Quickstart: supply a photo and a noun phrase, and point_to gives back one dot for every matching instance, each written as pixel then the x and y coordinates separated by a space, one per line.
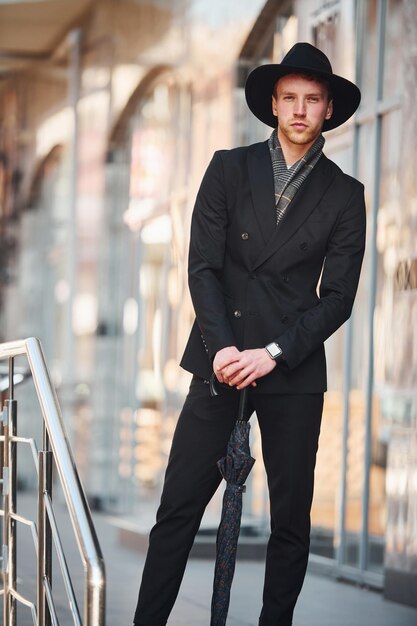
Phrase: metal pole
pixel 347 378
pixel 12 410
pixel 44 538
pixel 11 378
pixel 47 484
pixel 364 536
pixel 74 39
pixel 2 433
pixel 349 332
pixel 6 600
pixel 41 596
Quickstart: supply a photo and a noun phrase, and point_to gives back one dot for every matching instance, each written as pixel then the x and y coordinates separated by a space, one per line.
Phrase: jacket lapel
pixel 300 208
pixel 261 180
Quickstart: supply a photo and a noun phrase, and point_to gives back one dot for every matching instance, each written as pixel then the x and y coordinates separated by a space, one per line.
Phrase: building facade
pixel 102 148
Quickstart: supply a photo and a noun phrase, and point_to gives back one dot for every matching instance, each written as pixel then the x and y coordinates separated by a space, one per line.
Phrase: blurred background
pixel 110 111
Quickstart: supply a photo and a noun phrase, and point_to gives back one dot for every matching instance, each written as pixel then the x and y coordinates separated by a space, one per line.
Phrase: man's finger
pixel 249 380
pixel 232 370
pixel 223 363
pixel 242 375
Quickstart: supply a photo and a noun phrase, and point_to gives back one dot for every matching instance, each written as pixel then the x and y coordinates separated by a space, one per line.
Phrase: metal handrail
pixel 54 433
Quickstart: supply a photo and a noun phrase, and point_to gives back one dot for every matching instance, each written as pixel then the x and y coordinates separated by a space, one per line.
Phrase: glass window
pixel 386 360
pixel 395 316
pixel 359 371
pixel 370 54
pixel 325 36
pixel 393 78
pixel 267 50
pixel 389 230
pixel 328 466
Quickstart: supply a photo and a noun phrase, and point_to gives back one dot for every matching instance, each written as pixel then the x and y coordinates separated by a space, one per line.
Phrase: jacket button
pixel 253 276
pixel 237 313
pixel 304 245
pixel 245 236
pixel 284 319
pixel 285 279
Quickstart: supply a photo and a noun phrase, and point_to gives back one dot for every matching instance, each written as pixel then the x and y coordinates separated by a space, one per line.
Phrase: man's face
pixel 301 106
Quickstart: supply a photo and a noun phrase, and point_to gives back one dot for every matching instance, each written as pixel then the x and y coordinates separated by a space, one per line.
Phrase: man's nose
pixel 299 107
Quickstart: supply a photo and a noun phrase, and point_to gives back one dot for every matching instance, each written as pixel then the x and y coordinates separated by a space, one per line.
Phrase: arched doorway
pixel 142 292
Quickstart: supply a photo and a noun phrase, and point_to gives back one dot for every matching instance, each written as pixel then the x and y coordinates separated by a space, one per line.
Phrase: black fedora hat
pixel 303 58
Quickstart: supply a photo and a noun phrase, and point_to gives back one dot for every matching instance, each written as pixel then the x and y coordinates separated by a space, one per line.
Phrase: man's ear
pixel 274 106
pixel 329 111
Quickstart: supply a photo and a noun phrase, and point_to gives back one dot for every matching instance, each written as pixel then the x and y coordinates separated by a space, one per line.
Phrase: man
pixel 271 222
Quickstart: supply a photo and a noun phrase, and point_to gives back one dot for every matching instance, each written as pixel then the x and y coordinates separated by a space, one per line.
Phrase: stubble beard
pixel 301 138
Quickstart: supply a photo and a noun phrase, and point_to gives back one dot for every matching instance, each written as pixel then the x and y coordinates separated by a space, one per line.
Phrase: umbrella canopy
pixel 234 467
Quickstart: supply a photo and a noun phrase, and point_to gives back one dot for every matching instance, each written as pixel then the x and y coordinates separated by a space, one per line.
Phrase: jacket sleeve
pixel 206 257
pixel 338 285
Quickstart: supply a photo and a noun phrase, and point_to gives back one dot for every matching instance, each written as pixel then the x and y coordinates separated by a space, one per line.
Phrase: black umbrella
pixel 234 467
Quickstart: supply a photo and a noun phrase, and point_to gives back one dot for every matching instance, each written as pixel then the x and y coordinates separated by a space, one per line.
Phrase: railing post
pixel 44 537
pixel 9 502
pixel 12 417
pixel 2 433
pixel 5 494
pixel 41 596
pixel 47 481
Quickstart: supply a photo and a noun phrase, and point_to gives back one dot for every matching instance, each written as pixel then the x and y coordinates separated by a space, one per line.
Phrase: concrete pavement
pixel 323 602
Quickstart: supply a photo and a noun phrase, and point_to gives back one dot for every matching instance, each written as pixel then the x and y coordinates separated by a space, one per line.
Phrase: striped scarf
pixel 289 180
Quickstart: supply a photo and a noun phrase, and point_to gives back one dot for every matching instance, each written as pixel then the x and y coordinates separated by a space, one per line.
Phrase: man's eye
pixel 313 99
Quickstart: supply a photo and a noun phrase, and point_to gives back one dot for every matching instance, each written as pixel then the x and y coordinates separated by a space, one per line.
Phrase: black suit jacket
pixel 252 282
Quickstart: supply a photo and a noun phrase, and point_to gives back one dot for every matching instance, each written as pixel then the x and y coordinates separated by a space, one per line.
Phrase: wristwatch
pixel 273 350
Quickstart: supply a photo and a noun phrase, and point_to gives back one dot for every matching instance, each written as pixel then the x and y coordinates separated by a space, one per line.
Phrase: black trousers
pixel 290 426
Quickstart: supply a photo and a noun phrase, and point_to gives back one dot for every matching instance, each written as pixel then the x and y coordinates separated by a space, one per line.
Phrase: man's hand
pixel 224 358
pixel 246 367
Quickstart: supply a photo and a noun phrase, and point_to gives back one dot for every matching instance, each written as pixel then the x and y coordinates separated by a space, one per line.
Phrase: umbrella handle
pixel 243 398
pixel 243 401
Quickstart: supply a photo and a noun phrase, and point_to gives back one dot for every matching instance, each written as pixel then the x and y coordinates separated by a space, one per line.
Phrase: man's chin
pixel 301 138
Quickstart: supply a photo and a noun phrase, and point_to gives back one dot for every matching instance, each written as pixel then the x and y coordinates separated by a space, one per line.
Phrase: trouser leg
pixel 290 427
pixel 191 478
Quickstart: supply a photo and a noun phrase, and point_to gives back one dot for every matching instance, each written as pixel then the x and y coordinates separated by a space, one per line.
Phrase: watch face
pixel 274 350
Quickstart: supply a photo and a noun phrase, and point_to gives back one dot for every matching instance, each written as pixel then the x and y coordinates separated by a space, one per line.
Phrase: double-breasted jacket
pixel 252 282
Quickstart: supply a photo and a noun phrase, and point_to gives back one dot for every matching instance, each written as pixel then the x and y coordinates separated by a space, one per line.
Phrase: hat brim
pixel 260 85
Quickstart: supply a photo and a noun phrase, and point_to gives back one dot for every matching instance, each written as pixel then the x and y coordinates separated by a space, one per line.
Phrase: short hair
pixel 309 76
